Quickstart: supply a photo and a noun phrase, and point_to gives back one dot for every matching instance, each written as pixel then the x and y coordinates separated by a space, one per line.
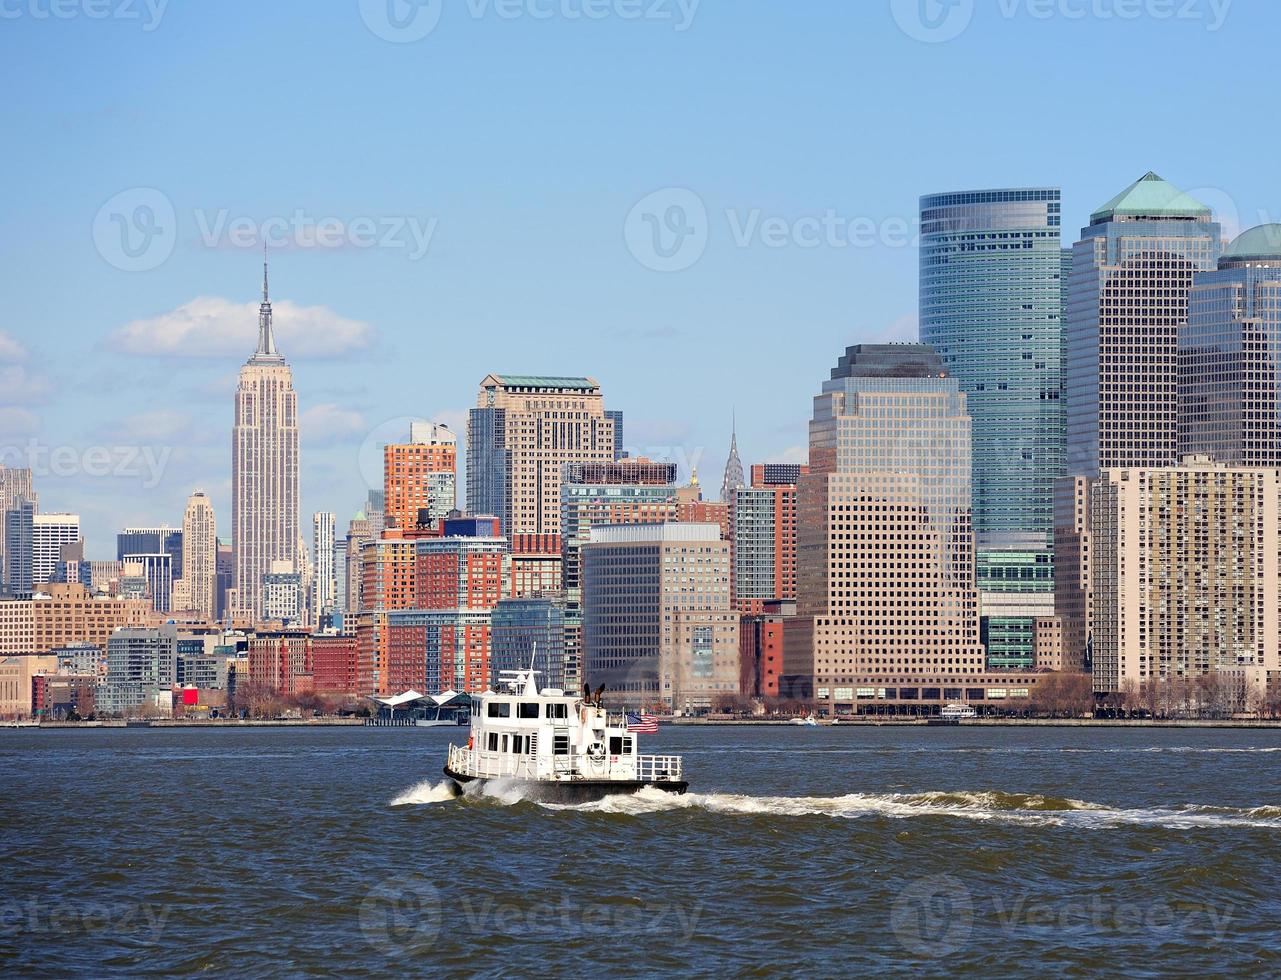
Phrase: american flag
pixel 642 724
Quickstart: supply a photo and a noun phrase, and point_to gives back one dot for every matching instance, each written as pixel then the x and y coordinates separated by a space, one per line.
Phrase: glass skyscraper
pixel 991 292
pixel 1230 355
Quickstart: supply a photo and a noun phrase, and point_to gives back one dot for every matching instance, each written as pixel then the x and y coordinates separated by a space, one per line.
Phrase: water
pixel 269 852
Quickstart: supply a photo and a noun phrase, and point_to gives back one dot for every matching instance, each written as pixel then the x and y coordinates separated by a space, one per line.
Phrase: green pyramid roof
pixel 1262 242
pixel 1152 197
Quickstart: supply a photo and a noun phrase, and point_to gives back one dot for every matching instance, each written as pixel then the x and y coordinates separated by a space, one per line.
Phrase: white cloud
pixel 210 326
pixel 10 349
pixel 161 426
pixel 18 385
pixel 17 423
pixel 329 424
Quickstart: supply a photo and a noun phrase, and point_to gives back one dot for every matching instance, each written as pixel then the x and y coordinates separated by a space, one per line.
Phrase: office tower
pixel 1229 389
pixel 1127 301
pixel 142 665
pixel 733 470
pixel 521 435
pixel 444 642
pixel 1187 574
pixel 15 487
pixel 529 630
pixel 991 305
pixel 360 531
pixel 49 532
pixel 764 529
pixel 657 624
pixel 151 541
pixel 282 595
pixel 198 585
pixel 157 571
pixel 264 466
pixel 226 565
pixel 419 477
pixel 19 545
pixel 616 416
pixel 64 614
pixel 340 575
pixel 886 599
pixel 1073 553
pixel 324 525
pixel 536 563
pixel 629 491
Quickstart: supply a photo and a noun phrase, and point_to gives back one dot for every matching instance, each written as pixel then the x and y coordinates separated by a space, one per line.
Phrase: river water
pixel 267 852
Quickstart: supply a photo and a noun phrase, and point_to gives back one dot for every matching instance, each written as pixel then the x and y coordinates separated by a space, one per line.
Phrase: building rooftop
pixel 540 381
pixel 889 361
pixel 1259 244
pixel 1151 197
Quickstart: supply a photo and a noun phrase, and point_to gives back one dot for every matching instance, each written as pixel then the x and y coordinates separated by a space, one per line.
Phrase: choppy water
pixel 270 852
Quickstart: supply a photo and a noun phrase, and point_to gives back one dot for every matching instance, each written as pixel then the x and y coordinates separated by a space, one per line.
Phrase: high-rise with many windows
pixel 991 305
pixel 1229 355
pixel 264 467
pixel 419 476
pixel 1132 271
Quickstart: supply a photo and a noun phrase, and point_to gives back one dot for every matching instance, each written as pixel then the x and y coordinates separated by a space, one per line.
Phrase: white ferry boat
pixel 955 712
pixel 556 747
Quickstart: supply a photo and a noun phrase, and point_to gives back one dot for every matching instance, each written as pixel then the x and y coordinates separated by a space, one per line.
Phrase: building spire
pixel 266 342
pixel 734 478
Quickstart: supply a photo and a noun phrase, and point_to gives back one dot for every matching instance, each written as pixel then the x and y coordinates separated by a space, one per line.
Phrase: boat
pixel 809 722
pixel 555 747
pixel 955 712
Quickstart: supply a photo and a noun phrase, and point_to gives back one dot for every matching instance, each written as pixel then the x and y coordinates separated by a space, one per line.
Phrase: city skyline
pixel 554 236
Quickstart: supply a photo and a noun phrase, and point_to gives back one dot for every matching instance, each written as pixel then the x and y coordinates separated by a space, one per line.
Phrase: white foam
pixel 427 792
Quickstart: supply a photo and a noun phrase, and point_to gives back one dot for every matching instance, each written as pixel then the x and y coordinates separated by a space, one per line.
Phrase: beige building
pixel 1047 643
pixel 887 603
pixel 1186 573
pixel 264 468
pixel 1073 600
pixel 63 614
pixel 658 627
pixel 15 683
pixel 194 592
pixel 521 436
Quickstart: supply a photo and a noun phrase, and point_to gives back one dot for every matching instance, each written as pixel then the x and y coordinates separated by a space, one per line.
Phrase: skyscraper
pixel 1230 355
pixel 520 437
pixel 198 585
pixel 420 476
pixel 19 522
pixel 15 487
pixel 733 470
pixel 1127 301
pixel 49 532
pixel 324 527
pixel 764 527
pixel 991 305
pixel 886 600
pixel 264 466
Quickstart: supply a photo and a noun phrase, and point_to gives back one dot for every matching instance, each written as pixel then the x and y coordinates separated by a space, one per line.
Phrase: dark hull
pixel 578 791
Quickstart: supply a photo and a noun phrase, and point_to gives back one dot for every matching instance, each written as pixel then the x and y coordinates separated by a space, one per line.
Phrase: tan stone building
pixel 658 627
pixel 15 683
pixel 1186 573
pixel 63 614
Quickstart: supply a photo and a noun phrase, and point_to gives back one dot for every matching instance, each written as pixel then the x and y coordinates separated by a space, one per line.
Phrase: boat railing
pixel 472 763
pixel 658 768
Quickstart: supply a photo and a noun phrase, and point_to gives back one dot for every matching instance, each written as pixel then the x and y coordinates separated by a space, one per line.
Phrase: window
pixel 558 711
pixel 527 709
pixel 560 745
pixel 493 742
pixel 500 709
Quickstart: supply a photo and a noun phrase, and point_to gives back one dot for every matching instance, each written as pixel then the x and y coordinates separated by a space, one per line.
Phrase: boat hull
pixel 572 791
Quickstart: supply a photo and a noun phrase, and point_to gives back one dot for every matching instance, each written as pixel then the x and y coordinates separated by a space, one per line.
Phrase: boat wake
pixel 1006 808
pixel 427 792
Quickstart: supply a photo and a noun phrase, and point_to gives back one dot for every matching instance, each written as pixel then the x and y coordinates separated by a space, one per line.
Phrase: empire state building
pixel 264 467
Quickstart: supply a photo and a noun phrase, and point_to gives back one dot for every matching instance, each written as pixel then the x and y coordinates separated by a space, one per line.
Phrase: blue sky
pixel 511 146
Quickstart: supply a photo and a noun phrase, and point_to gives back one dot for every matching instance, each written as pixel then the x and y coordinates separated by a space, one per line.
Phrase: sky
pixel 699 204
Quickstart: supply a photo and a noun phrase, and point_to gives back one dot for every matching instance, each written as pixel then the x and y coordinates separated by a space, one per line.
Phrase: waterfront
pixel 267 852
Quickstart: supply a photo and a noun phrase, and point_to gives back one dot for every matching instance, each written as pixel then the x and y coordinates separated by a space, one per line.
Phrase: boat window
pixel 627 746
pixel 558 711
pixel 615 745
pixel 493 741
pixel 560 745
pixel 500 709
pixel 527 709
pixel 506 743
